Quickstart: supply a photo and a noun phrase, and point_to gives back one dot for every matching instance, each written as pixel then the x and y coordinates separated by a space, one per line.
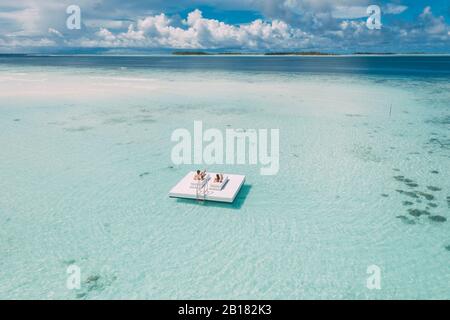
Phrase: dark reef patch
pixel 432 205
pixel 432 188
pixel 443 121
pixel 95 282
pixel 78 129
pixel 406 220
pixel 443 144
pixel 352 115
pixel 418 212
pixel 408 203
pixel 69 262
pixel 427 196
pixel 409 182
pixel 412 184
pixel 408 193
pixel 437 218
pixel 124 143
pixel 144 110
pixel 115 121
pixel 146 121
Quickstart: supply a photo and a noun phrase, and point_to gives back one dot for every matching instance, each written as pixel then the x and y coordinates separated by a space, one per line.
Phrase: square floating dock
pixel 227 194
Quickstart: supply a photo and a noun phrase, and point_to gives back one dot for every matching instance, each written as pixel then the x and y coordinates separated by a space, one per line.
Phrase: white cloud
pixel 106 23
pixel 26 43
pixel 106 34
pixel 55 32
pixel 202 33
pixel 391 8
pixel 353 12
pixel 433 25
pixel 25 21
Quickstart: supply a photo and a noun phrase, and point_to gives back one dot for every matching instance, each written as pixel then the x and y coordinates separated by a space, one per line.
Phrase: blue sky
pixel 227 25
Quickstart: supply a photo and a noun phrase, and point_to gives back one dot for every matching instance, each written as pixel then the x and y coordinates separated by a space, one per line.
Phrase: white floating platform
pixel 227 194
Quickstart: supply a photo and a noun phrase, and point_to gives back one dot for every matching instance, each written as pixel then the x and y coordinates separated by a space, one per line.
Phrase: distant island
pixel 13 54
pixel 190 53
pixel 287 53
pixel 306 53
pixel 374 53
pixel 204 53
pixel 231 53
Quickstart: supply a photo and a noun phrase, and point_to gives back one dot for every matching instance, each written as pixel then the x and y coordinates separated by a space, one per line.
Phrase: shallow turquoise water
pixel 85 171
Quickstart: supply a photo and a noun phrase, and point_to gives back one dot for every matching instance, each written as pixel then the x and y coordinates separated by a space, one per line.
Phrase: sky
pixel 138 26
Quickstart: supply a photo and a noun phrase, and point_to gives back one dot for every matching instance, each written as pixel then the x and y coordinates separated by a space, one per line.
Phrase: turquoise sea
pixel 364 178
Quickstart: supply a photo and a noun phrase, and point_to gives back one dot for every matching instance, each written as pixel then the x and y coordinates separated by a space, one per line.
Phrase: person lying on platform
pixel 200 175
pixel 218 178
